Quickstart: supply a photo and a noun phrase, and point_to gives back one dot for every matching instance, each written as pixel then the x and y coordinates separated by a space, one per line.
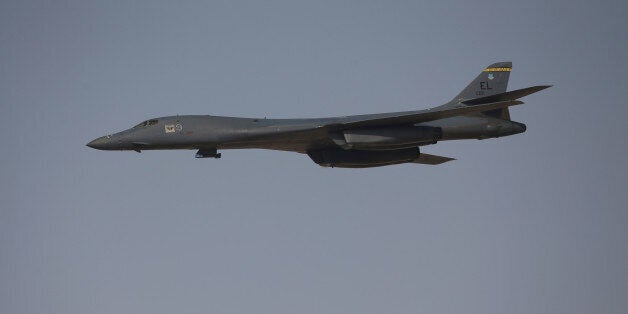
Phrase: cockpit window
pixel 146 123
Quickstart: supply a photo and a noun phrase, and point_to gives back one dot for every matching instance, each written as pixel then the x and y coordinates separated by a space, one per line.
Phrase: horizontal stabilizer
pixel 427 159
pixel 515 94
pixel 426 115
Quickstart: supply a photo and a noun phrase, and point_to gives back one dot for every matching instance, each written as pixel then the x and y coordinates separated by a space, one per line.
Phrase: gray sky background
pixel 533 223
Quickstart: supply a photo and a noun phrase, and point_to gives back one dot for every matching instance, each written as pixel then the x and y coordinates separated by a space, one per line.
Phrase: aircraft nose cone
pixel 98 143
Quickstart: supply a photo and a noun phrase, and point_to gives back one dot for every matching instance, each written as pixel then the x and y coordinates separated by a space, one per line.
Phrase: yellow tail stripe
pixel 497 70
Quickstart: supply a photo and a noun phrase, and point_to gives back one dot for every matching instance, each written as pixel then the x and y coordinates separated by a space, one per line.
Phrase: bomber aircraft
pixel 480 111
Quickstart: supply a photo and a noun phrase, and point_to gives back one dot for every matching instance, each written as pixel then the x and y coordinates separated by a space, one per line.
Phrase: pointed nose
pixel 99 143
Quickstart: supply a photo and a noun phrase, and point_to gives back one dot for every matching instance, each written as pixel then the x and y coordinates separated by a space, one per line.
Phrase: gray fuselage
pixel 298 135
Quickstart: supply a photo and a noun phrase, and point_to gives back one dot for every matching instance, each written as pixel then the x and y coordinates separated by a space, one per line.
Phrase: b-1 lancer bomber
pixel 480 111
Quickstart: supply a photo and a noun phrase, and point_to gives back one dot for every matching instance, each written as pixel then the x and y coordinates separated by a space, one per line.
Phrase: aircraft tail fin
pixel 492 80
pixel 489 87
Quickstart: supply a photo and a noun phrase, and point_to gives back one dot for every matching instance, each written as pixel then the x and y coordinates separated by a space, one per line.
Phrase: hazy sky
pixel 532 223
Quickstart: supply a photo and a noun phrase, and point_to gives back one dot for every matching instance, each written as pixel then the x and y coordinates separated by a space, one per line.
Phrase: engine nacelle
pixel 387 137
pixel 363 158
